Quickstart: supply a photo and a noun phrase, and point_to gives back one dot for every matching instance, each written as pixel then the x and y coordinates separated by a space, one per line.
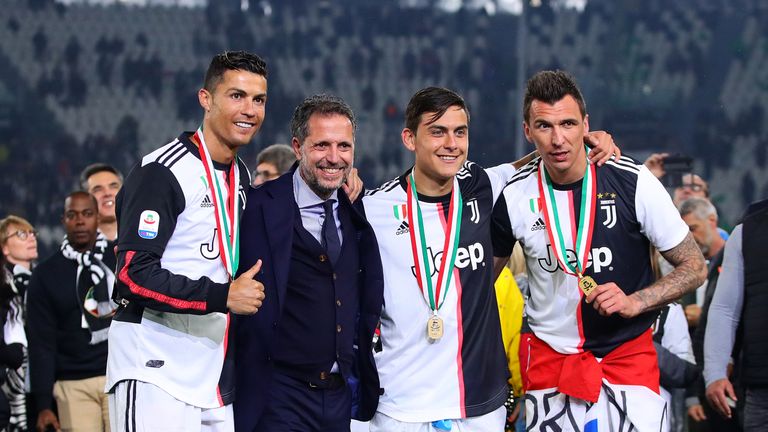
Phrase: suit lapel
pixel 279 216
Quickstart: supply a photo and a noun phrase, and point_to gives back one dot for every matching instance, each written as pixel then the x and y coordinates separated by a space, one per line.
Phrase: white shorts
pixel 491 422
pixel 618 408
pixel 136 406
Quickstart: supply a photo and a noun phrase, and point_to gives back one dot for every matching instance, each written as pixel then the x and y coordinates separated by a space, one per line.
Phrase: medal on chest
pixel 581 236
pixel 434 293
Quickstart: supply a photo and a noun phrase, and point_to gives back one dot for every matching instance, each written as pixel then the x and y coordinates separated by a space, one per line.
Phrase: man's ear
pixel 712 219
pixel 527 132
pixel 204 97
pixel 409 139
pixel 586 124
pixel 296 146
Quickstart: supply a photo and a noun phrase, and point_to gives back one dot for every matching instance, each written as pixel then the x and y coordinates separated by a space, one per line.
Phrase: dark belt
pixel 320 380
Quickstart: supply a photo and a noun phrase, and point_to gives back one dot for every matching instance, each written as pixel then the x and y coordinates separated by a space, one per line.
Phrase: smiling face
pixel 327 154
pixel 234 111
pixel 104 186
pixel 440 147
pixel 558 132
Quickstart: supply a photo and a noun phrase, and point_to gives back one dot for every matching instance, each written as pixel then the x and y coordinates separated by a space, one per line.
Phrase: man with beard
pixel 103 182
pixel 69 311
pixel 299 359
pixel 701 217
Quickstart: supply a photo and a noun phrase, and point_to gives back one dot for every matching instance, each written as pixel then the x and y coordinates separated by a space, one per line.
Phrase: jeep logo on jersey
pixel 599 258
pixel 149 223
pixel 210 250
pixel 472 255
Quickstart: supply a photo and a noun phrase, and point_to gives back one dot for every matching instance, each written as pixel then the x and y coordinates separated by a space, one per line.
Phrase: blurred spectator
pixel 70 309
pixel 12 348
pixel 700 215
pixel 741 299
pixel 272 162
pixel 103 181
pixel 693 186
pixel 19 242
pixel 40 44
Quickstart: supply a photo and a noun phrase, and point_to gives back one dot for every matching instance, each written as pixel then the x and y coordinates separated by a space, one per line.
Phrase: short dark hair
pixel 432 100
pixel 549 87
pixel 95 168
pixel 279 155
pixel 323 104
pixel 232 60
pixel 81 193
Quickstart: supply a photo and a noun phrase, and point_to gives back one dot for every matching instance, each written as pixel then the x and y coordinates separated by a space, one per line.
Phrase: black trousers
pixel 295 406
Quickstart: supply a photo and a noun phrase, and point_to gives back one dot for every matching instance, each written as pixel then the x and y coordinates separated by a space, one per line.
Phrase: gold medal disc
pixel 587 284
pixel 434 328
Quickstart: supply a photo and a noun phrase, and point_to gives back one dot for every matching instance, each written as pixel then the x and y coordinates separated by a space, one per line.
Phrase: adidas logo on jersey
pixel 206 202
pixel 539 225
pixel 403 228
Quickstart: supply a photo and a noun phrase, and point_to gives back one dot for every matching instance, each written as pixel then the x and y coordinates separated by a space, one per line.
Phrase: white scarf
pixel 94 284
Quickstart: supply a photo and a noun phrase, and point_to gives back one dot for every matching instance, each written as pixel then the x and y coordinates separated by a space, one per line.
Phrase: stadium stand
pixel 85 81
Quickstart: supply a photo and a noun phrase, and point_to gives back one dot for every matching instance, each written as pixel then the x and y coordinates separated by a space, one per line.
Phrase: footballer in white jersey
pixel 586 233
pixel 464 373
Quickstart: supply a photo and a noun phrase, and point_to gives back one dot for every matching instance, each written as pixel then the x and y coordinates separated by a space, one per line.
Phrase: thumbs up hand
pixel 246 293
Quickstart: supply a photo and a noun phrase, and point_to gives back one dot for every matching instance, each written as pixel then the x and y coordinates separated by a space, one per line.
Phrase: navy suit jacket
pixel 266 233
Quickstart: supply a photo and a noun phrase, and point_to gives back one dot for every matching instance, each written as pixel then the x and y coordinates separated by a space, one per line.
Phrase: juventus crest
pixel 607 203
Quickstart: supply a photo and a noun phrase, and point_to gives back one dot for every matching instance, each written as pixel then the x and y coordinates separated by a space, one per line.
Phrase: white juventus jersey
pixel 463 374
pixel 633 211
pixel 166 208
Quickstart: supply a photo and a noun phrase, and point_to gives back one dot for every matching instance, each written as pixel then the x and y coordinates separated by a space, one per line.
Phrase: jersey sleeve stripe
pixel 633 168
pixel 628 163
pixel 172 150
pixel 386 187
pixel 523 173
pixel 145 292
pixel 465 171
pixel 177 158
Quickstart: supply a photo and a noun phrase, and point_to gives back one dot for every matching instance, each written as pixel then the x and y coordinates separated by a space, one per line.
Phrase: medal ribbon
pixel 586 222
pixel 227 214
pixel 435 295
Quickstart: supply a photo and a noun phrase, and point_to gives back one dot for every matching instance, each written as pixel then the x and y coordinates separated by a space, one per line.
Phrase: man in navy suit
pixel 304 362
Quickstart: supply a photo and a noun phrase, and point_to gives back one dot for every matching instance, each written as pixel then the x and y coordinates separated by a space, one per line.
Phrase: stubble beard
pixel 323 191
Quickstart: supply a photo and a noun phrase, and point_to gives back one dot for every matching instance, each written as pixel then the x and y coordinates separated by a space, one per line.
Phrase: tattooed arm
pixel 689 273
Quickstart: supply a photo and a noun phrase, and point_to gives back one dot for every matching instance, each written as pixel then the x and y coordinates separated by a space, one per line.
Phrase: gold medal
pixel 587 284
pixel 434 328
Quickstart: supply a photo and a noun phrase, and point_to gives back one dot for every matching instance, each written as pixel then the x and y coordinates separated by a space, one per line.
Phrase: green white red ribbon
pixel 434 294
pixel 227 213
pixel 583 241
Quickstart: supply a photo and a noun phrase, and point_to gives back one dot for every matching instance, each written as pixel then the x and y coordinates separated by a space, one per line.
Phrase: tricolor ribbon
pixel 227 213
pixel 583 240
pixel 434 294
